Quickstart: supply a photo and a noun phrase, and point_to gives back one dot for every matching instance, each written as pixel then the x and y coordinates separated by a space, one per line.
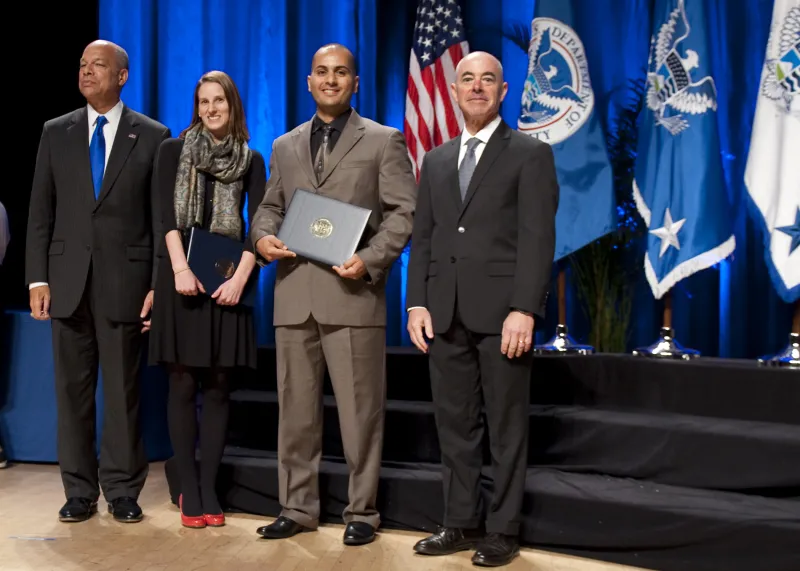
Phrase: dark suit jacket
pixel 69 231
pixel 369 167
pixel 494 252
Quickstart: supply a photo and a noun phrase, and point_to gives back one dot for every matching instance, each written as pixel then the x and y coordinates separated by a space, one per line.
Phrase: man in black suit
pixel 92 229
pixel 481 254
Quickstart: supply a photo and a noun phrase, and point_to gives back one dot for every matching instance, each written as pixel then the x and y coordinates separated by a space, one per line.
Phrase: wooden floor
pixel 31 538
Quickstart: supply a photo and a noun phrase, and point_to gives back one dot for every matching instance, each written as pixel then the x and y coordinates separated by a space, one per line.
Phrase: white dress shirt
pixel 109 129
pixel 483 135
pixel 109 132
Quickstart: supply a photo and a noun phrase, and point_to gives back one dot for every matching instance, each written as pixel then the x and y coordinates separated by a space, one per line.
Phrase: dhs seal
pixel 673 91
pixel 557 98
pixel 321 228
pixel 781 75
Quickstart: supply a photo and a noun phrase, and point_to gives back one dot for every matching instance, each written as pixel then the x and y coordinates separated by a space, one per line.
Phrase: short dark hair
pixel 121 56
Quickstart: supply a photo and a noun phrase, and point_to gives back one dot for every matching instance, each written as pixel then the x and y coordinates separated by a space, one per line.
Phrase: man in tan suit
pixel 334 316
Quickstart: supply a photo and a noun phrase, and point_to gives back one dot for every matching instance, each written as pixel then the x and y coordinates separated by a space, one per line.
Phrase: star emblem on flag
pixel 793 232
pixel 669 233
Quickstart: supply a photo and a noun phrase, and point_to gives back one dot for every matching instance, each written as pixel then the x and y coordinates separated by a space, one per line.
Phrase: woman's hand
pixel 186 283
pixel 230 292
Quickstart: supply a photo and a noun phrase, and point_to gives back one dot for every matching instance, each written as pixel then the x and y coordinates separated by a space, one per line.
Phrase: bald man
pixel 478 275
pixel 334 317
pixel 90 269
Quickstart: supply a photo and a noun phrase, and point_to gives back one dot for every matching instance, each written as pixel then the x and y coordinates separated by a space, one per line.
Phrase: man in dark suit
pixel 334 317
pixel 481 254
pixel 90 267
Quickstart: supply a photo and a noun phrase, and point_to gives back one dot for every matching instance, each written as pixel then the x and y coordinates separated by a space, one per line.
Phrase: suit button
pixel 461 230
pixel 88 248
pixel 452 259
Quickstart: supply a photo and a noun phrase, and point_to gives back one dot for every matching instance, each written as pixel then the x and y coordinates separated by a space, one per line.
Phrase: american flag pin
pixel 132 135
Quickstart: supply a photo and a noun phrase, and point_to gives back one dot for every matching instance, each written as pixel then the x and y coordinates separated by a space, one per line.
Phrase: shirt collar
pixel 114 114
pixel 484 134
pixel 338 124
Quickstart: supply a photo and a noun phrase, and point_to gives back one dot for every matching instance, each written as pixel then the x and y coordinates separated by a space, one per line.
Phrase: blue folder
pixel 213 258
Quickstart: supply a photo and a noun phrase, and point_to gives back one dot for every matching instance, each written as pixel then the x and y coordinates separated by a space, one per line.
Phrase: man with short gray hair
pixel 479 271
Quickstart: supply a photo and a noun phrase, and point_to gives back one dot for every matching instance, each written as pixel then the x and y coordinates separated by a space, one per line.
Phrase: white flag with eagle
pixel 772 175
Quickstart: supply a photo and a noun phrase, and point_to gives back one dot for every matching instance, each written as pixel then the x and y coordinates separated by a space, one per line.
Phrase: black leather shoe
pixel 77 509
pixel 446 541
pixel 359 533
pixel 125 510
pixel 495 550
pixel 281 528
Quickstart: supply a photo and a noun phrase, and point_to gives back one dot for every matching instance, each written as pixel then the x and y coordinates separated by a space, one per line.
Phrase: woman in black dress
pixel 203 178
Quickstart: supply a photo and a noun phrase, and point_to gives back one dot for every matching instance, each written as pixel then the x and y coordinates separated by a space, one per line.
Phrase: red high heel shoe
pixel 196 522
pixel 215 520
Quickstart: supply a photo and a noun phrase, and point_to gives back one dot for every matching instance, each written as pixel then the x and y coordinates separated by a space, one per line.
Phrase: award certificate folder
pixel 213 258
pixel 321 228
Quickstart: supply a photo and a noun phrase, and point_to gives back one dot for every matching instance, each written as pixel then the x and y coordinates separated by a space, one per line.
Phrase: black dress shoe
pixel 125 510
pixel 281 528
pixel 446 541
pixel 359 533
pixel 77 509
pixel 495 550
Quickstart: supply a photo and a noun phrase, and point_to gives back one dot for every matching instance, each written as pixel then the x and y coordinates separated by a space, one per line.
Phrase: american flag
pixel 432 117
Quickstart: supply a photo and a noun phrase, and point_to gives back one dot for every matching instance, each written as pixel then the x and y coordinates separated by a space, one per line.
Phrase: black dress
pixel 195 331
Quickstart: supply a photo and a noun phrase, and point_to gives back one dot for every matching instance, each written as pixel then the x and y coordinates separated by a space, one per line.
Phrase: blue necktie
pixel 97 155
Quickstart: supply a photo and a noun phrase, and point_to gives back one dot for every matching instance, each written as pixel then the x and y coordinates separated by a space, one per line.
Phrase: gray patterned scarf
pixel 227 162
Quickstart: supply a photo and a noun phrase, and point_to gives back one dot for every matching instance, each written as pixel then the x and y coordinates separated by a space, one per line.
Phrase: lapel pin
pixel 132 135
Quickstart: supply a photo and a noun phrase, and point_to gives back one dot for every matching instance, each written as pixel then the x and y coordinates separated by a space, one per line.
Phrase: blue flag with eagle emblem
pixel 558 108
pixel 679 184
pixel 772 176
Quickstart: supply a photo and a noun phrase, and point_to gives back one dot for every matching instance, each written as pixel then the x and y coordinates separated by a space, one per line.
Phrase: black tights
pixel 199 494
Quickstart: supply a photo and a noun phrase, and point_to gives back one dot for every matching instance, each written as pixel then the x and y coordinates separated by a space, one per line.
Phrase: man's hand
pixel 146 308
pixel 230 292
pixel 517 334
pixel 353 268
pixel 419 320
pixel 40 303
pixel 273 249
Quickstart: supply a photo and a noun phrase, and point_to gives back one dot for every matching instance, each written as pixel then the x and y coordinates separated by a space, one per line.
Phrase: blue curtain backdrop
pixel 266 46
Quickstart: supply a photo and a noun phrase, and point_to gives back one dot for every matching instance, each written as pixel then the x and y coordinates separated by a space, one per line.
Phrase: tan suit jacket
pixel 369 167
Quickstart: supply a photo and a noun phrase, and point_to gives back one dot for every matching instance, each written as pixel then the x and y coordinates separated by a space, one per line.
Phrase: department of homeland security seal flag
pixel 679 186
pixel 772 175
pixel 558 108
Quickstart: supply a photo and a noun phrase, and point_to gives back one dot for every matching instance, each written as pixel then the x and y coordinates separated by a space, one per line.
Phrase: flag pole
pixel 790 355
pixel 666 347
pixel 562 343
pixel 667 321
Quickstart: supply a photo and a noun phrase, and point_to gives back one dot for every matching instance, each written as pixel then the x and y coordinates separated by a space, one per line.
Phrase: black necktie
pixel 323 152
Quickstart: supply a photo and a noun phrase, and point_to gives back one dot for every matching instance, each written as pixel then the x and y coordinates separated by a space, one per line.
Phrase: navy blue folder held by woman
pixel 213 258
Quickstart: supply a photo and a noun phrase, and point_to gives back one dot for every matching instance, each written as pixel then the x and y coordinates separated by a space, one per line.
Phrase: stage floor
pixel 32 494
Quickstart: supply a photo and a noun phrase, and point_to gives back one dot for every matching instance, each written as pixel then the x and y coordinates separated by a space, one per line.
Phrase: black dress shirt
pixel 338 125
